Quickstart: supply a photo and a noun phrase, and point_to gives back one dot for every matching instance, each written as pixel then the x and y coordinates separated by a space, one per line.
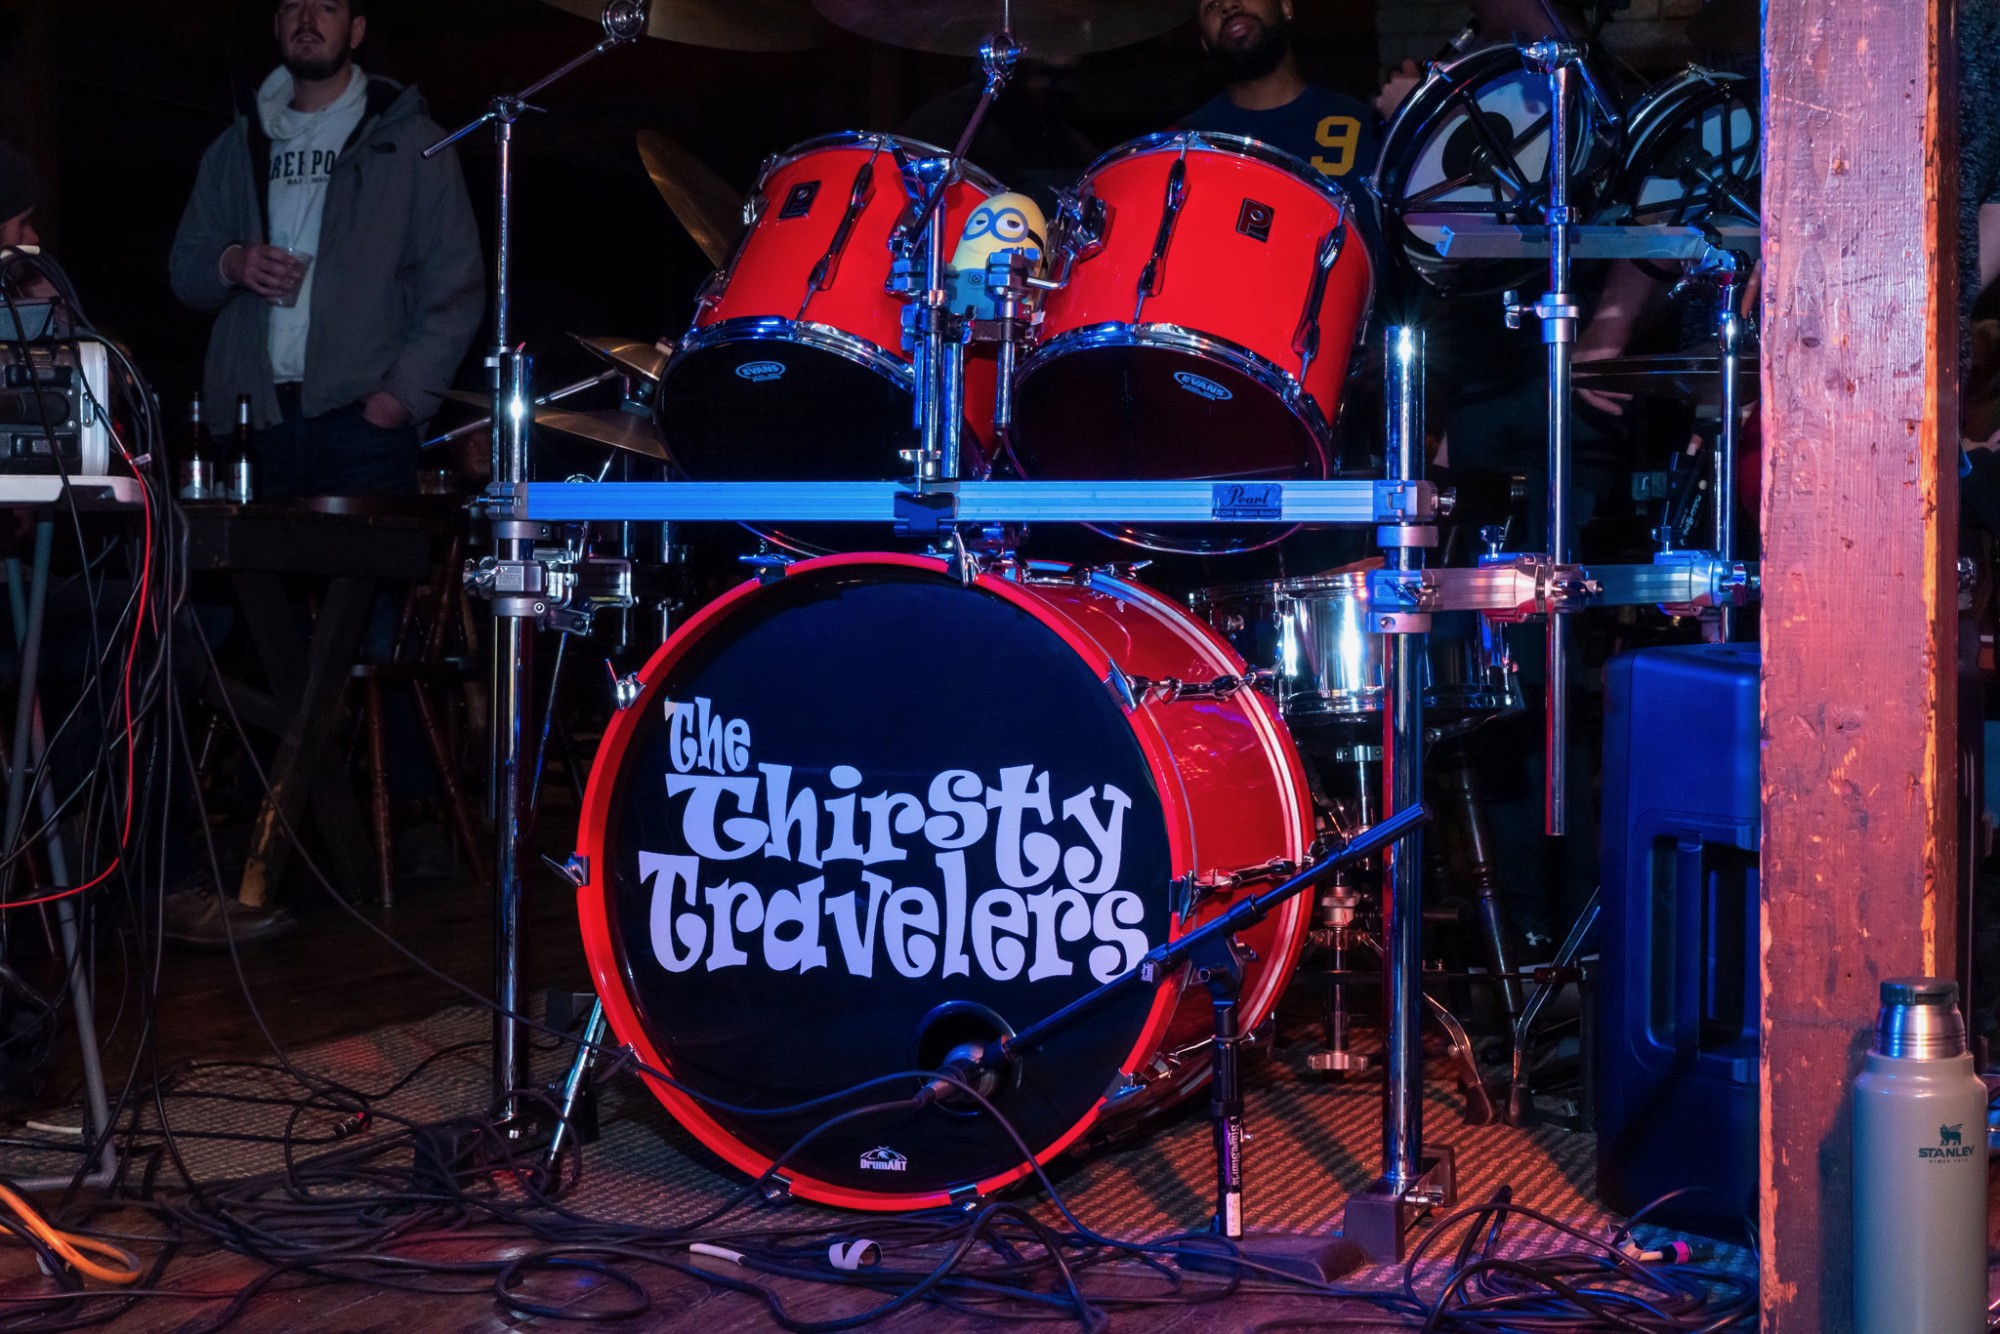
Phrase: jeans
pixel 337 454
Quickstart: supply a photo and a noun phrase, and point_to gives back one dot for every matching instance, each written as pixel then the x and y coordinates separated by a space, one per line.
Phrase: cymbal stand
pixel 934 335
pixel 1411 1182
pixel 1723 270
pixel 1557 311
pixel 517 579
pixel 1216 961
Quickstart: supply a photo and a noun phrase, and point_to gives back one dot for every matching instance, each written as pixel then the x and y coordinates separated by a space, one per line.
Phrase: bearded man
pixel 343 268
pixel 1264 97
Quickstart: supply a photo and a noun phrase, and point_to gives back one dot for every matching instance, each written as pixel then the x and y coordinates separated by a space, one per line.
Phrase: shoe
pixel 195 919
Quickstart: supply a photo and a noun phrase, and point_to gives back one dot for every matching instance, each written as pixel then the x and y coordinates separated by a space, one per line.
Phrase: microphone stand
pixel 510 376
pixel 1217 963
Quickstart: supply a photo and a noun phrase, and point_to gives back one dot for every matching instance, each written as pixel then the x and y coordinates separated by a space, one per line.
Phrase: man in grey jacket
pixel 343 269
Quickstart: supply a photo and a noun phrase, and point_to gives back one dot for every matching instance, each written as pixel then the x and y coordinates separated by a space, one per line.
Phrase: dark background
pixel 116 100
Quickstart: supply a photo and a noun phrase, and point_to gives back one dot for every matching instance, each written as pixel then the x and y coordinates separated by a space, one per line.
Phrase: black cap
pixel 20 187
pixel 1920 991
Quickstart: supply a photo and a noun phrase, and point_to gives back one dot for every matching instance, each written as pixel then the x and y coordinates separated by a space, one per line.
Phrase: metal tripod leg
pixel 1520 1096
pixel 593 1033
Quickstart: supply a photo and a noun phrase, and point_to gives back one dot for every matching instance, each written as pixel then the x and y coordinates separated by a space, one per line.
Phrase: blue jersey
pixel 1335 135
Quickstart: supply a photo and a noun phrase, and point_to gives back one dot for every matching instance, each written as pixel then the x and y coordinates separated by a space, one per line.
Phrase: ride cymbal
pixel 629 431
pixel 727 25
pixel 646 361
pixel 702 200
pixel 1047 28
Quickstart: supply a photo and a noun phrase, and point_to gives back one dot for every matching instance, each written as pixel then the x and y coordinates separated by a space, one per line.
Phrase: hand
pixel 263 269
pixel 1610 402
pixel 385 411
pixel 1397 87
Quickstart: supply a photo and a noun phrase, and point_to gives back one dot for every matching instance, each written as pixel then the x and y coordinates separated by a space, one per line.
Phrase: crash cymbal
pixel 1689 377
pixel 630 431
pixel 644 360
pixel 729 25
pixel 703 201
pixel 1047 28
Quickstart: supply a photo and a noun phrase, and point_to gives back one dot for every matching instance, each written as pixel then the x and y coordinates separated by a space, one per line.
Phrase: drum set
pixel 924 804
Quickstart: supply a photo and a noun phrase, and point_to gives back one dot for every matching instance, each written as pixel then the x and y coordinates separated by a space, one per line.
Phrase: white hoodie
pixel 304 146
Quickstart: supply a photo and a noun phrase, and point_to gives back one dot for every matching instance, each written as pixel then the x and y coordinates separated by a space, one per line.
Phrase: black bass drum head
pixel 858 816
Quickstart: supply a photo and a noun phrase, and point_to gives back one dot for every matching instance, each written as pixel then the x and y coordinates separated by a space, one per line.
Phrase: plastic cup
pixel 302 265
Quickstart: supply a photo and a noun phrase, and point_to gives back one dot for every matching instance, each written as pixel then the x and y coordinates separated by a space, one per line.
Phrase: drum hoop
pixel 1229 145
pixel 595 926
pixel 1279 381
pixel 902 146
pixel 803 333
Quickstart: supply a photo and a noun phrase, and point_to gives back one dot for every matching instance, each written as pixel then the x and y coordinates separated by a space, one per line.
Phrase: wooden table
pixel 257 546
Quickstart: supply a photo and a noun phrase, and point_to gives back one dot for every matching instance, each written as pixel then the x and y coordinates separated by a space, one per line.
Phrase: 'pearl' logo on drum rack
pixel 1057 860
pixel 1202 387
pixel 761 372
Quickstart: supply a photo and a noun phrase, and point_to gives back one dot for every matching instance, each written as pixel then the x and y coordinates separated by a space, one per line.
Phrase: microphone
pixel 625 20
pixel 981 1066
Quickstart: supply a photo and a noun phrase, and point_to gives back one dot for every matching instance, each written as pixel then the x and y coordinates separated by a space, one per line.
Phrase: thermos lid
pixel 1920 991
pixel 1919 1019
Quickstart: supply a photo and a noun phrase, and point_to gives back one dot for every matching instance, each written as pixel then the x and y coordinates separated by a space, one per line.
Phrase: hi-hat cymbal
pixel 646 361
pixel 729 25
pixel 1047 28
pixel 703 201
pixel 1691 377
pixel 629 431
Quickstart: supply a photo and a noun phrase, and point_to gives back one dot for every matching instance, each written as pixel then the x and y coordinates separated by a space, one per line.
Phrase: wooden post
pixel 1860 529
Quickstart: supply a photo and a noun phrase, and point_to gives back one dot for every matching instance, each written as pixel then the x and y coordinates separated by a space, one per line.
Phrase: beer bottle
pixel 240 486
pixel 197 471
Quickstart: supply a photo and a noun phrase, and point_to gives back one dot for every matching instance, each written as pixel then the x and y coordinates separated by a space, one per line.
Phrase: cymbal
pixel 728 25
pixel 629 431
pixel 702 200
pixel 646 361
pixel 467 398
pixel 1047 28
pixel 615 427
pixel 1691 377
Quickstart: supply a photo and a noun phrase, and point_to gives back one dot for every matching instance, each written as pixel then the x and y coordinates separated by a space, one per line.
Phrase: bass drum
pixel 863 813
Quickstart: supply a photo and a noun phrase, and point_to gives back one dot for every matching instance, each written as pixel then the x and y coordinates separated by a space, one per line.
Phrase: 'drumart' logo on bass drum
pixel 859 877
pixel 1951 1144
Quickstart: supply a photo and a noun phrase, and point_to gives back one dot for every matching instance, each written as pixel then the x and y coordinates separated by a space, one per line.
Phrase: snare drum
pixel 863 813
pixel 1312 634
pixel 795 366
pixel 1216 291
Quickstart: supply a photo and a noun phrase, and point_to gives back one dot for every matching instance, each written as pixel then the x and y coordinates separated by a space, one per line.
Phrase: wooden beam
pixel 1860 532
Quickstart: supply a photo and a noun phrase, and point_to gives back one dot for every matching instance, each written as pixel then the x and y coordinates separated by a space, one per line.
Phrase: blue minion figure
pixel 1003 223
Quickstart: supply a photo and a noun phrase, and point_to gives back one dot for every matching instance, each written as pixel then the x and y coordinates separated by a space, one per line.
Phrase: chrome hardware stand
pixel 1724 272
pixel 624 21
pixel 1557 312
pixel 936 337
pixel 579 1068
pixel 1411 1182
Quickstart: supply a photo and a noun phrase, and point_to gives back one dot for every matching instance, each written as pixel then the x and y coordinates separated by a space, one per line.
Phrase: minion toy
pixel 1003 223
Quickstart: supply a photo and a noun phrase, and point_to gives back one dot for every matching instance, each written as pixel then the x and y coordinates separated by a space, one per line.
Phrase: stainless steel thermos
pixel 1919 1169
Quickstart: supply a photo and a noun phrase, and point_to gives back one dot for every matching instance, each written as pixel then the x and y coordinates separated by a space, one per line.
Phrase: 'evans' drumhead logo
pixel 1202 387
pixel 759 372
pixel 1057 858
